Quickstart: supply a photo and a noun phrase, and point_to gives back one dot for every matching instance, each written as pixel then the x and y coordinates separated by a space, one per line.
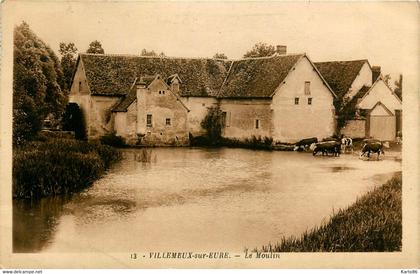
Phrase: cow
pixel 372 146
pixel 332 147
pixel 346 144
pixel 303 145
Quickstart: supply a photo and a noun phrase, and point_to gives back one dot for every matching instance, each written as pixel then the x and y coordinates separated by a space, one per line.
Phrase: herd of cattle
pixel 334 147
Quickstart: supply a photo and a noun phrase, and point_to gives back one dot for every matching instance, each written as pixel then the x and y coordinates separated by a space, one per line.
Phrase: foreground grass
pixel 58 166
pixel 373 223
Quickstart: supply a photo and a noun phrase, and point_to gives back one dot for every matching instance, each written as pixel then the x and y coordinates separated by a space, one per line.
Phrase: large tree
pixel 37 80
pixel 260 50
pixel 95 47
pixel 68 54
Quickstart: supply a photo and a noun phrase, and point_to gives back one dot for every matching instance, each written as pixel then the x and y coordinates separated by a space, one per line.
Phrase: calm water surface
pixel 198 200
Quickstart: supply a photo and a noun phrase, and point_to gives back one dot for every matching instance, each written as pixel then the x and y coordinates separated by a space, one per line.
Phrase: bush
pixel 73 120
pixel 57 167
pixel 27 120
pixel 111 139
pixel 213 124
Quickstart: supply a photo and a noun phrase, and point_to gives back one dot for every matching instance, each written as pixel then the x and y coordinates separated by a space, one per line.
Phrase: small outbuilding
pixel 383 111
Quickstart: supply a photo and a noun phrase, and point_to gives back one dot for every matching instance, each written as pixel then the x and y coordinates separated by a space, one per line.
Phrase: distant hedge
pixel 57 167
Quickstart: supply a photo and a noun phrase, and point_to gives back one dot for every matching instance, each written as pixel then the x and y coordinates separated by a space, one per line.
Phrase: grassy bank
pixel 58 166
pixel 373 223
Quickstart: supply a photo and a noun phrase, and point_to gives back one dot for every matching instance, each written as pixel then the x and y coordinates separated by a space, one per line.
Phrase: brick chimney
pixel 281 49
pixel 140 84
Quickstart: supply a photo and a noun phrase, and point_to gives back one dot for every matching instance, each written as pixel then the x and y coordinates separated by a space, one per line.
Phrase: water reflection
pixel 34 222
pixel 197 200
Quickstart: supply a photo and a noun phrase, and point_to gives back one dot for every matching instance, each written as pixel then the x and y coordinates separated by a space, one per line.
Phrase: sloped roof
pixel 147 79
pixel 380 104
pixel 257 77
pixel 361 93
pixel 340 74
pixel 109 74
pixel 172 77
pixel 380 79
pixel 123 105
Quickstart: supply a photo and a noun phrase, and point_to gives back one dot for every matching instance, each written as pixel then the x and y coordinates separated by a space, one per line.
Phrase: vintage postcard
pixel 218 134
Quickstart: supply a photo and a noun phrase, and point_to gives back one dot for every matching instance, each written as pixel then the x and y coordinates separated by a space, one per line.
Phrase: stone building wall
pixel 312 115
pixel 246 118
pixel 168 116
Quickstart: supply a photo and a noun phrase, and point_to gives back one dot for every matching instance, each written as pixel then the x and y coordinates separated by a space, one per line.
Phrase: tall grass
pixel 254 142
pixel 373 223
pixel 258 143
pixel 58 166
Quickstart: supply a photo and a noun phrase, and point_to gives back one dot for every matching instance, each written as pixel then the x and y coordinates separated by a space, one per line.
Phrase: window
pixel 80 86
pixel 224 118
pixel 307 88
pixel 149 120
pixel 309 101
pixel 257 123
pixel 297 101
pixel 175 87
pixel 163 92
pixel 168 121
pixel 228 114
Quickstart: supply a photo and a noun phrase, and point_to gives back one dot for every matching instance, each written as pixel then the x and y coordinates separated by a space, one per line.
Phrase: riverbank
pixel 373 223
pixel 56 166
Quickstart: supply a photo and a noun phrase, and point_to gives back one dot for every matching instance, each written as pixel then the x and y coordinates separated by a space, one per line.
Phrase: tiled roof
pixel 257 77
pixel 109 74
pixel 340 74
pixel 147 79
pixel 125 102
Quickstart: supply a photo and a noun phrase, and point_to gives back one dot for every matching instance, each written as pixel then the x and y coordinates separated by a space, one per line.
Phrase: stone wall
pixel 312 116
pixel 96 109
pixel 354 128
pixel 246 118
pixel 163 105
pixel 100 115
pixel 198 107
pixel 80 94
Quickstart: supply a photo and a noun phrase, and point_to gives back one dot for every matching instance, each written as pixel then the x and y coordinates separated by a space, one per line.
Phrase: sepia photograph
pixel 209 134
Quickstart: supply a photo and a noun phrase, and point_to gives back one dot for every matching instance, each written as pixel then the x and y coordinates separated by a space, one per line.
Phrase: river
pixel 193 199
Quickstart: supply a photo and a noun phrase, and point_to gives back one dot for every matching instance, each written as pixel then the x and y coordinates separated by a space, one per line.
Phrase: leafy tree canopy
pixel 37 81
pixel 68 60
pixel 260 50
pixel 95 47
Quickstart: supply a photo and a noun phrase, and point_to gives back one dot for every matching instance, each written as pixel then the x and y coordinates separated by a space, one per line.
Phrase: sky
pixel 385 33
